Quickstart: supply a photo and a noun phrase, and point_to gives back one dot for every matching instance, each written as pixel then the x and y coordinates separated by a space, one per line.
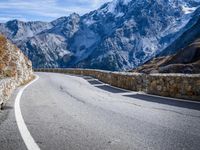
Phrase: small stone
pixel 159 88
pixel 189 88
pixel 171 82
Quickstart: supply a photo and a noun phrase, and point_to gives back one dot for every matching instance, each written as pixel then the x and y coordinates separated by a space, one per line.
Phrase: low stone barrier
pixel 8 85
pixel 169 85
pixel 6 88
pixel 174 85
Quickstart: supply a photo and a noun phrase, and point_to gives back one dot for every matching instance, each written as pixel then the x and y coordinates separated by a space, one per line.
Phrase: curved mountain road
pixel 64 112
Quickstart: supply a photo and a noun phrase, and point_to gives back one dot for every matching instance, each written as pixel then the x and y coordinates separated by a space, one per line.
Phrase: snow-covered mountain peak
pixel 113 7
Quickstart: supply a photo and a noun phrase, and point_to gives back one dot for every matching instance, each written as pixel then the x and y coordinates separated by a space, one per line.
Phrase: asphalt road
pixel 64 112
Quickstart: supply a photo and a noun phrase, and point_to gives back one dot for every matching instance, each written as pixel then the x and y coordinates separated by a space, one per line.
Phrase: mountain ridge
pixel 120 35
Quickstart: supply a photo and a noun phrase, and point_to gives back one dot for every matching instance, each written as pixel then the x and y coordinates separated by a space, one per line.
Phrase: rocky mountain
pixel 15 69
pixel 120 35
pixel 190 35
pixel 182 56
pixel 18 31
pixel 187 60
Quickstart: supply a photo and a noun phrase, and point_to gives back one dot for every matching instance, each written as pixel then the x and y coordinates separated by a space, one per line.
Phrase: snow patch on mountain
pixel 188 10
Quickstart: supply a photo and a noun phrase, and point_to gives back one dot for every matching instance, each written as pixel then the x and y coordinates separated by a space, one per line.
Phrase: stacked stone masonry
pixel 170 85
pixel 6 88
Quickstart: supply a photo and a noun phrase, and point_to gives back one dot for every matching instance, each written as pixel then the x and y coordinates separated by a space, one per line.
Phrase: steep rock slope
pixel 120 35
pixel 50 48
pixel 182 56
pixel 187 60
pixel 15 69
pixel 19 31
pixel 141 29
pixel 189 36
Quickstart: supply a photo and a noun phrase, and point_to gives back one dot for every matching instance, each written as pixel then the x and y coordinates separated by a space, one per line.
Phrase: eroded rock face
pixel 15 69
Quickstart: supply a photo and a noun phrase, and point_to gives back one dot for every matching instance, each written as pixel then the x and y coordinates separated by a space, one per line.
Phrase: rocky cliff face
pixel 120 35
pixel 15 69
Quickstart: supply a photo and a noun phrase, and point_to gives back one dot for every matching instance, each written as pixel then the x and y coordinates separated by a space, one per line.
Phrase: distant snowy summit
pixel 120 35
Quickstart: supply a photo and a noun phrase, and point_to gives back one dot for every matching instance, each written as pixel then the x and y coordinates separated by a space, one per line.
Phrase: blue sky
pixel 44 10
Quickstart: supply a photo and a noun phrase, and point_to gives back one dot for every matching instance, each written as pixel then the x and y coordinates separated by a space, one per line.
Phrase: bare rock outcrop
pixel 15 69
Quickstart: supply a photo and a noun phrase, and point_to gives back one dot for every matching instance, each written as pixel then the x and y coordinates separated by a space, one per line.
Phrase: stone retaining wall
pixel 6 88
pixel 15 69
pixel 169 85
pixel 174 85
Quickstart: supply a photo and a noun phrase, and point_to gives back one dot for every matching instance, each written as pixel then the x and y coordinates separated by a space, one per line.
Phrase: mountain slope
pixel 187 60
pixel 189 36
pixel 19 31
pixel 182 56
pixel 120 35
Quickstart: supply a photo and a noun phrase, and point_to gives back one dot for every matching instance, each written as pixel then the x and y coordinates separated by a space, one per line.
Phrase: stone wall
pixel 15 69
pixel 174 85
pixel 169 85
pixel 6 88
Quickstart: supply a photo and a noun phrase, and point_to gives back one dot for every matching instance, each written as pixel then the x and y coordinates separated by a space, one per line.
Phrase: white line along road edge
pixel 26 136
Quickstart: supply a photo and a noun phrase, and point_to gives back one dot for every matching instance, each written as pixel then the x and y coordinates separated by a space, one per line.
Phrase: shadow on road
pixel 87 77
pixel 166 101
pixel 160 100
pixel 102 85
pixel 111 89
pixel 93 82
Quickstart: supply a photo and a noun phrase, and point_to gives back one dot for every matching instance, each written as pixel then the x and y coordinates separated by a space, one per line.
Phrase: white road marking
pixel 26 136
